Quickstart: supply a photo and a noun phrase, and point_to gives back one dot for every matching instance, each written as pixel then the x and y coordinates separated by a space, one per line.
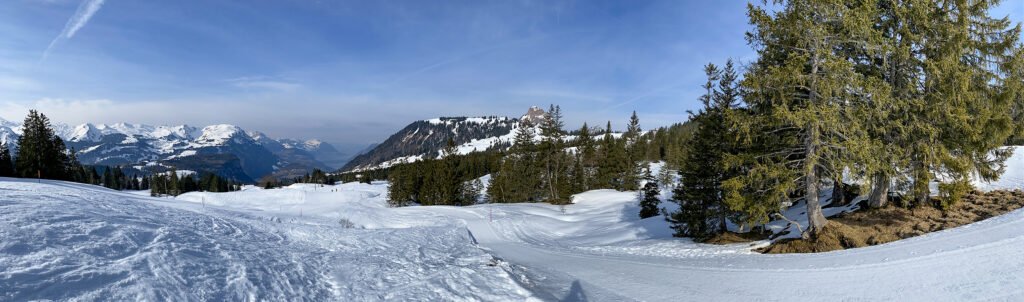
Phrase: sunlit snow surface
pixel 70 241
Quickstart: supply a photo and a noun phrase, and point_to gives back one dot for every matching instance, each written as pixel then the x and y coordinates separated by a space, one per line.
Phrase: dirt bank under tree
pixel 877 226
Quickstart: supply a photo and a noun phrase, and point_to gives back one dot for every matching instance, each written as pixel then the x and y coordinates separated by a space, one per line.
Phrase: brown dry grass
pixel 878 226
pixel 733 237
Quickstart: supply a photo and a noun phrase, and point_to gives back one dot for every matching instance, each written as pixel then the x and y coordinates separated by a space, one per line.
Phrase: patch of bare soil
pixel 877 226
pixel 733 237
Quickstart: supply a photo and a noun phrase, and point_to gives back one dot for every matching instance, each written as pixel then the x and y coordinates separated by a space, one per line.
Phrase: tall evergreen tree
pixel 40 152
pixel 108 178
pixel 809 93
pixel 702 212
pixel 633 154
pixel 585 158
pixel 552 155
pixel 6 162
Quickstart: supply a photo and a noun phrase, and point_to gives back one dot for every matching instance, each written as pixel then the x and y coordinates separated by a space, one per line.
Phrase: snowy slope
pixel 597 248
pixel 63 241
pixel 69 241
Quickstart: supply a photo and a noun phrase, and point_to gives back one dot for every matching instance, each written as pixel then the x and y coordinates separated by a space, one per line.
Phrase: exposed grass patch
pixel 733 237
pixel 877 226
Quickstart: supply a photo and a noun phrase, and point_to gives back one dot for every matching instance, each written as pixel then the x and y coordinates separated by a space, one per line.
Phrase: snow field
pixel 76 242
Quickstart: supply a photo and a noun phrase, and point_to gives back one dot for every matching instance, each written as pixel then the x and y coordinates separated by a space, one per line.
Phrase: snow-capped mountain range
pixel 224 149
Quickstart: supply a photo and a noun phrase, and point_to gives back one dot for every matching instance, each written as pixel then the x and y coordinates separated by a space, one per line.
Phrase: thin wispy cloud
pixel 264 83
pixel 85 11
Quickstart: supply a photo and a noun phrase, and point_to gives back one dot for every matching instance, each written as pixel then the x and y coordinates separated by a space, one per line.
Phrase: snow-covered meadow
pixel 70 241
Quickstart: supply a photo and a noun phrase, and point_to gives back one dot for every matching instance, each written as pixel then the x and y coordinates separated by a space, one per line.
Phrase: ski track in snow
pixel 76 242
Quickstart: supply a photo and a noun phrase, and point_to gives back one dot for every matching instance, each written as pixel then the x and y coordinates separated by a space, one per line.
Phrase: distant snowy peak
pixel 8 124
pixel 94 133
pixel 85 132
pixel 183 132
pixel 219 134
pixel 312 144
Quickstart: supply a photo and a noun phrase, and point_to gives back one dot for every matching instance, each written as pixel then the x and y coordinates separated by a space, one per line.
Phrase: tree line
pixel 171 184
pixel 543 163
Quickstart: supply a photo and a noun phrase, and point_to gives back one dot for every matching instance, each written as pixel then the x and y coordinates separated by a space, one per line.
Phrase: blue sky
pixel 352 72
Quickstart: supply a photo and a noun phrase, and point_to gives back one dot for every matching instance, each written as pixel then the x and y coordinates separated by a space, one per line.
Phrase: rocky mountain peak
pixel 534 115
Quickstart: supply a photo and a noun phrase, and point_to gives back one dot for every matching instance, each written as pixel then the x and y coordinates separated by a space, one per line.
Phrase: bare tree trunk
pixel 722 227
pixel 815 219
pixel 879 192
pixel 924 196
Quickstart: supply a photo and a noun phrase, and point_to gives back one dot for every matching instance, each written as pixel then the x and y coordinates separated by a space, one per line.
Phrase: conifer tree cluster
pixel 116 179
pixel 544 163
pixel 896 95
pixel 41 153
pixel 170 184
pixel 452 179
pixel 553 168
pixel 317 176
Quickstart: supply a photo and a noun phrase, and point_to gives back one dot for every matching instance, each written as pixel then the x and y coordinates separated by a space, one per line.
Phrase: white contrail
pixel 77 21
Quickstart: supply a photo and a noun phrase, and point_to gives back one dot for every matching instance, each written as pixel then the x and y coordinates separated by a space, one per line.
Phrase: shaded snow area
pixel 343 243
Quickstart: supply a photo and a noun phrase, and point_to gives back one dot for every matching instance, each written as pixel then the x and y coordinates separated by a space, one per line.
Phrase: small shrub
pixel 345 223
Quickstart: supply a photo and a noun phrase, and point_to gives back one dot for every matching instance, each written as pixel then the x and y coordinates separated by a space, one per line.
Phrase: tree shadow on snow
pixel 651 227
pixel 576 293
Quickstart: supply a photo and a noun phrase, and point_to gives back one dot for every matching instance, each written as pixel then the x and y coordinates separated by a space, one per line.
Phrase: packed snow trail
pixel 980 262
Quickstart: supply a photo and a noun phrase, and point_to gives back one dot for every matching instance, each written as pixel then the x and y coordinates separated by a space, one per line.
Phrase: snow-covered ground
pixel 69 241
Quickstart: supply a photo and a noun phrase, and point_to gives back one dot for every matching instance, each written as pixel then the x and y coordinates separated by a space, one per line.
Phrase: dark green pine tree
pixel 702 212
pixel 807 92
pixel 519 178
pixel 173 187
pixel 119 178
pixel 552 156
pixel 649 200
pixel 108 178
pixel 40 152
pixel 614 167
pixel 586 150
pixel 94 177
pixel 634 151
pixel 6 162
